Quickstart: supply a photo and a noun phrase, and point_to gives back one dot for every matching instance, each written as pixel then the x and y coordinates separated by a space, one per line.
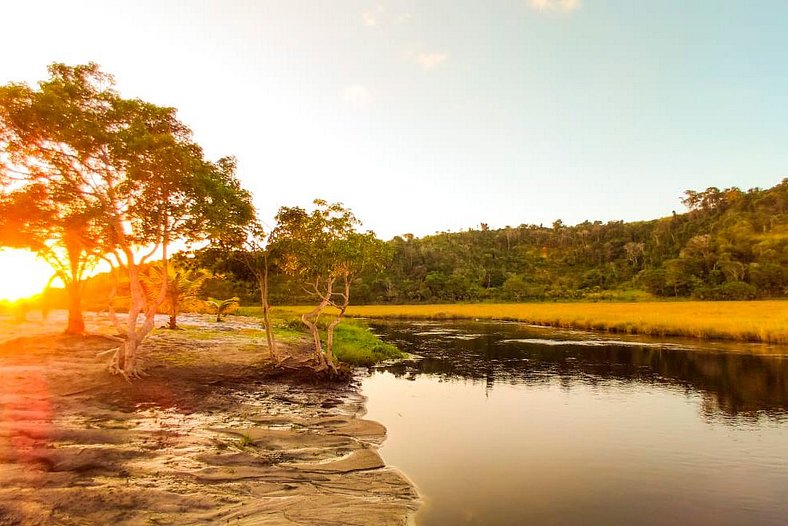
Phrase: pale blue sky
pixel 428 116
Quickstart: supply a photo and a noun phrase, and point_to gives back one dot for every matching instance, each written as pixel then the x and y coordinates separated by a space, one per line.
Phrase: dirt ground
pixel 214 435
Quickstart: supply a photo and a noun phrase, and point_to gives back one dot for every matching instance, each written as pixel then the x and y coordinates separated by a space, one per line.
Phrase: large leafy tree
pixel 327 252
pixel 65 235
pixel 128 169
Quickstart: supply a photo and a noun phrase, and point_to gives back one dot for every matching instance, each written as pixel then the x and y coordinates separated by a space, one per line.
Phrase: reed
pixel 752 321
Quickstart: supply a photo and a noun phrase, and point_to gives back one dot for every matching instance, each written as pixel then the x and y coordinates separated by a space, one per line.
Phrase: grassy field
pixel 754 321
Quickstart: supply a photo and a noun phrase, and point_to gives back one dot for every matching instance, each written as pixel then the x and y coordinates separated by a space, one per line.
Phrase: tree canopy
pixel 121 176
pixel 325 251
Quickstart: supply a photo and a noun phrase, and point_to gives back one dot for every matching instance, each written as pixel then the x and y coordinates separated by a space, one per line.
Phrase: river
pixel 503 423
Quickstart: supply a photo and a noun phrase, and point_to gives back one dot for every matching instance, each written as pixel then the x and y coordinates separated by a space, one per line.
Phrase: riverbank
pixel 212 435
pixel 751 321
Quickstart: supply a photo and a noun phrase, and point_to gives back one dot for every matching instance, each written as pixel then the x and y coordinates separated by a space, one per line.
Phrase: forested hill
pixel 731 244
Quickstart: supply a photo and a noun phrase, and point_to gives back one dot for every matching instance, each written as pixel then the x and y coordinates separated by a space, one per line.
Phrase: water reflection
pixel 501 424
pixel 733 384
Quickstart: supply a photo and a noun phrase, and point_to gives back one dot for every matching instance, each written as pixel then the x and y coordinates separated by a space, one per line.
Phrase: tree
pixel 130 167
pixel 183 287
pixel 324 249
pixel 256 258
pixel 35 218
pixel 247 256
pixel 222 307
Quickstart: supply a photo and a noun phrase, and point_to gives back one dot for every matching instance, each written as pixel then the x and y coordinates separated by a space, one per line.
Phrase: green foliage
pixel 325 252
pixel 222 307
pixel 183 287
pixel 728 291
pixel 324 244
pixel 125 168
pixel 728 237
pixel 356 345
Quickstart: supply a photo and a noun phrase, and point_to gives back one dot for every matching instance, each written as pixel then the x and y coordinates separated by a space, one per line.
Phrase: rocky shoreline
pixel 214 435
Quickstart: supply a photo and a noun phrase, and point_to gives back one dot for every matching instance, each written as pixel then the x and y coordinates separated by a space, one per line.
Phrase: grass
pixel 753 321
pixel 354 344
pixel 245 442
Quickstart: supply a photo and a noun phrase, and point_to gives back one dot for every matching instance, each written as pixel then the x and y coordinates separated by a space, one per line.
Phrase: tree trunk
pixel 310 320
pixel 330 341
pixel 125 360
pixel 76 322
pixel 269 330
pixel 321 359
pixel 334 323
pixel 173 312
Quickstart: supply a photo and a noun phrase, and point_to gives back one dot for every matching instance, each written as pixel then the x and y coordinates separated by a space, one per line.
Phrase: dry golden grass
pixel 755 321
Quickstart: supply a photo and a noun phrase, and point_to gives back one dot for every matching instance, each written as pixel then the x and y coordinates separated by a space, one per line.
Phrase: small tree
pixel 222 307
pixel 246 255
pixel 326 251
pixel 183 288
pixel 255 255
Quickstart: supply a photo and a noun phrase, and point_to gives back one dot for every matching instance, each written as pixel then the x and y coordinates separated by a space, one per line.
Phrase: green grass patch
pixel 356 345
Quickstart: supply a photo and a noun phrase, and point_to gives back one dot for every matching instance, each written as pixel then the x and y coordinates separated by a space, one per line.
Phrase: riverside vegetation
pixel 354 344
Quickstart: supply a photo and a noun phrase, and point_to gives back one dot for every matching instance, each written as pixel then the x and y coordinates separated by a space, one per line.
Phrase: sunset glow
pixel 22 274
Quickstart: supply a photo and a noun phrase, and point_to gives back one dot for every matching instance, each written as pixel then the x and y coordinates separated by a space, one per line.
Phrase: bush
pixel 728 291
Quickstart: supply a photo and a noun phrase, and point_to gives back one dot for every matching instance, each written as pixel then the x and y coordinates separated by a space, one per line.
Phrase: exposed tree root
pixel 308 370
pixel 136 371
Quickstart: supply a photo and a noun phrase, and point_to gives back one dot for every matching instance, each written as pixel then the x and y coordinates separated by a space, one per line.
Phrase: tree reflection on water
pixel 733 381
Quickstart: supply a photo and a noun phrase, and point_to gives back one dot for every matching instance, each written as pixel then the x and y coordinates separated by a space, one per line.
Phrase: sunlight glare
pixel 22 274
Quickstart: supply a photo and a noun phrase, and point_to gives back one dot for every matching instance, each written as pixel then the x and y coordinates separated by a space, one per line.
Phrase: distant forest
pixel 729 245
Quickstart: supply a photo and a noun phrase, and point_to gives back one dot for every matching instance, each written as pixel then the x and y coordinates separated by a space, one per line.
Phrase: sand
pixel 214 435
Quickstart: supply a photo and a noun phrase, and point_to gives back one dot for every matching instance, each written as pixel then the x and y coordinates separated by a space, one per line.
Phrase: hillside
pixel 731 244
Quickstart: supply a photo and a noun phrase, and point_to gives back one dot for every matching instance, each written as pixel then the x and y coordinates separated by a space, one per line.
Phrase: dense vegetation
pixel 730 245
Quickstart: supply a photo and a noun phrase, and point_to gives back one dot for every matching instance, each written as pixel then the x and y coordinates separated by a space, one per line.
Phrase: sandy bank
pixel 212 435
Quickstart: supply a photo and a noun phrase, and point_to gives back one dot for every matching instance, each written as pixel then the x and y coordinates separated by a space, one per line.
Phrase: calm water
pixel 501 423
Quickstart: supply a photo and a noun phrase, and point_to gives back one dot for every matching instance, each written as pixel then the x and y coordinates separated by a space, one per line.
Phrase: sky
pixel 428 116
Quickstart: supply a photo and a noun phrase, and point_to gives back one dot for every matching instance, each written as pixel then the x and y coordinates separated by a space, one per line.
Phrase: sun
pixel 22 274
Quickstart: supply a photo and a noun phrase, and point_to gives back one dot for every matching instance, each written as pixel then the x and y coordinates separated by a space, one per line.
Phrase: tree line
pixel 730 244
